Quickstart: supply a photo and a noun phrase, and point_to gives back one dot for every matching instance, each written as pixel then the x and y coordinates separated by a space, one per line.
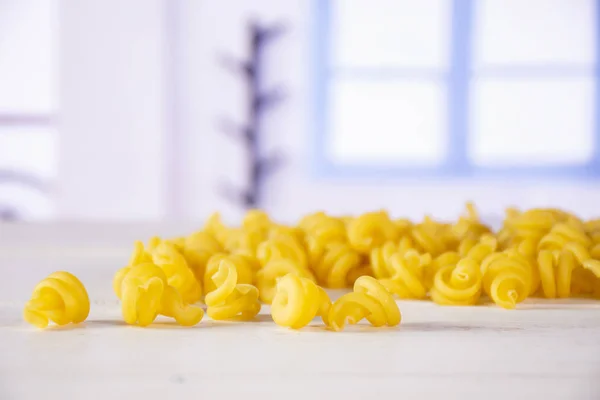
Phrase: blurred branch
pixel 231 129
pixel 236 66
pixel 269 99
pixel 258 101
pixel 264 34
pixel 234 194
pixel 270 164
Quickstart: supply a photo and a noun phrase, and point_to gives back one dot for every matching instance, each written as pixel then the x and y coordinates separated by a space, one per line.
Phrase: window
pixel 28 107
pixel 457 87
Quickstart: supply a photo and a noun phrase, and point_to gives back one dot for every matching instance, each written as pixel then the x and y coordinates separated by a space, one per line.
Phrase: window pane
pixel 28 56
pixel 388 33
pixel 30 150
pixel 387 123
pixel 532 123
pixel 534 32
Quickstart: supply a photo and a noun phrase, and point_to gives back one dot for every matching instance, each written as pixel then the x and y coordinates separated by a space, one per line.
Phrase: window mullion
pixel 458 85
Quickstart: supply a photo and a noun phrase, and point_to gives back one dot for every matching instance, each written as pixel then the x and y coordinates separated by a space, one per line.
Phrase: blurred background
pixel 150 110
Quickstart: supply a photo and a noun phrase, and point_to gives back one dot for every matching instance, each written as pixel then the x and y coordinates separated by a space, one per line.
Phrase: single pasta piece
pixel 282 247
pixel 244 242
pixel 139 255
pixel 177 242
pixel 469 227
pixel 145 293
pixel 547 264
pixel 198 248
pixel 321 231
pixel 231 299
pixel 371 230
pixel 216 228
pixel 449 258
pixel 369 300
pixel 562 234
pixel 583 257
pixel 179 275
pixel 407 280
pixel 324 228
pixel 458 285
pixel 507 278
pixel 335 269
pixel 380 259
pixel 429 238
pixel 568 271
pixel 297 301
pixel 266 278
pixel 257 220
pixel 485 246
pixel 277 230
pixel 245 269
pixel 60 298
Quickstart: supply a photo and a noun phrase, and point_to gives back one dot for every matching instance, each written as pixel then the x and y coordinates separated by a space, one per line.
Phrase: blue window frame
pixel 458 80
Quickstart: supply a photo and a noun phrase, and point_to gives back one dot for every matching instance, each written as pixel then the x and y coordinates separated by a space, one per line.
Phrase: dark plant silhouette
pixel 249 134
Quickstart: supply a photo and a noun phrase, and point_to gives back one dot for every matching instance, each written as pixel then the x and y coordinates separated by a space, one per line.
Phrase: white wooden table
pixel 541 351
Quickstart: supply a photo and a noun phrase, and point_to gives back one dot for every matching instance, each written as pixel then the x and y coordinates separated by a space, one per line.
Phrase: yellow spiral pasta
pixel 242 241
pixel 568 271
pixel 458 285
pixel 507 278
pixel 297 301
pixel 60 298
pixel 469 226
pixel 145 293
pixel 431 237
pixel 198 248
pixel 231 299
pixel 485 246
pixel 266 278
pixel 407 281
pixel 324 227
pixel 369 300
pixel 562 234
pixel 537 252
pixel 532 224
pixel 245 269
pixel 449 258
pixel 281 246
pixel 321 231
pixel 257 220
pixel 139 255
pixel 380 259
pixel 336 267
pixel 371 230
pixel 277 230
pixel 216 228
pixel 179 275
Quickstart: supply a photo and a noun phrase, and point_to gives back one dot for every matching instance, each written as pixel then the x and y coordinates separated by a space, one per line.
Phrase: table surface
pixel 543 350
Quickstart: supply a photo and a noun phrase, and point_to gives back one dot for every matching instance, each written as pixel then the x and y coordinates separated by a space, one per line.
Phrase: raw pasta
pixel 60 298
pixel 231 299
pixel 369 300
pixel 297 301
pixel 145 293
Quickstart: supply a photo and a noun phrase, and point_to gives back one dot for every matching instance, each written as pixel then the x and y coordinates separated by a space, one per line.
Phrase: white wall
pixel 122 137
pixel 112 101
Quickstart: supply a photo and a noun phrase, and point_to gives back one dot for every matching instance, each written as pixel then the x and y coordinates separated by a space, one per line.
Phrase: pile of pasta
pixel 545 253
